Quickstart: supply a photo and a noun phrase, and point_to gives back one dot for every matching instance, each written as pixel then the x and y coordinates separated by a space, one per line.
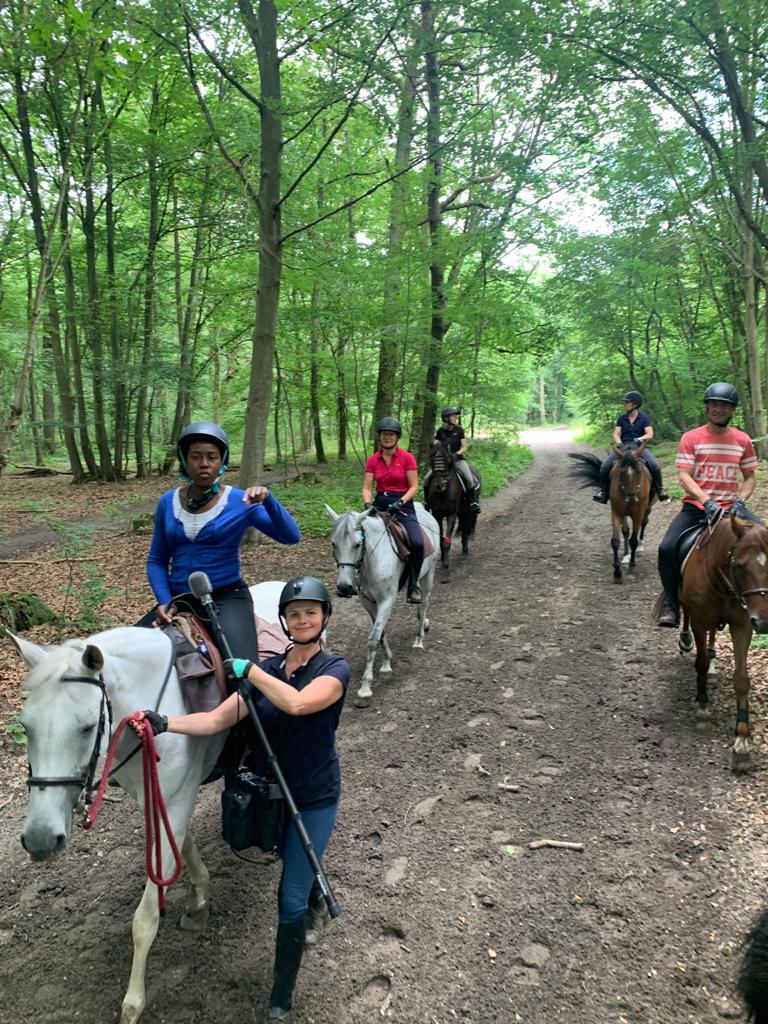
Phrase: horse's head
pixel 632 471
pixel 64 719
pixel 748 569
pixel 348 543
pixel 441 463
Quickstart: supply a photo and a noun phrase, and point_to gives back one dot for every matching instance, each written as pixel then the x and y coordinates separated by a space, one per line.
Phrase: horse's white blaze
pixel 761 559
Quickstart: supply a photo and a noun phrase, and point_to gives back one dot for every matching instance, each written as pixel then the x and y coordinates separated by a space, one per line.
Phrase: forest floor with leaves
pixel 545 706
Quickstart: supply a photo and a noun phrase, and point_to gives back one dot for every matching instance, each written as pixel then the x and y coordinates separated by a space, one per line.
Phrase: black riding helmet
pixel 635 397
pixel 202 432
pixel 451 410
pixel 305 588
pixel 721 392
pixel 389 423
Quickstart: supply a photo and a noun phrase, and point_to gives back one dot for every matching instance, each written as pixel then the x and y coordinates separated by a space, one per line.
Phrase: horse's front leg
pixel 615 546
pixel 196 879
pixel 147 917
pixel 426 582
pixel 741 634
pixel 382 612
pixel 633 542
pixel 702 666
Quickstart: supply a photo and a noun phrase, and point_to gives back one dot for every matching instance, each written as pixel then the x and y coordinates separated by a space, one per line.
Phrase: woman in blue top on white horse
pixel 199 528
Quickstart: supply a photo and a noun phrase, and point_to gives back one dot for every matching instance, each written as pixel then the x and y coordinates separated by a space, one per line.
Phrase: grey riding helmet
pixel 635 397
pixel 203 432
pixel 304 588
pixel 451 410
pixel 721 392
pixel 389 423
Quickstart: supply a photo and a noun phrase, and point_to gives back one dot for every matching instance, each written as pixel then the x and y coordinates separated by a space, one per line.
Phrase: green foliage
pixel 86 596
pixel 338 485
pixel 14 730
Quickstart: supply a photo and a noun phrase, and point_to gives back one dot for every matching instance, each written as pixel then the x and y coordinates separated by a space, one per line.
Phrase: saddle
pixel 400 538
pixel 199 664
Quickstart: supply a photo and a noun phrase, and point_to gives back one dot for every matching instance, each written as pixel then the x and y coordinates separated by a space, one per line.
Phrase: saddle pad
pixel 272 639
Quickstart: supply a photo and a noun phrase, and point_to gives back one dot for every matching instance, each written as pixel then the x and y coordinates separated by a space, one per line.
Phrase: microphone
pixel 201 587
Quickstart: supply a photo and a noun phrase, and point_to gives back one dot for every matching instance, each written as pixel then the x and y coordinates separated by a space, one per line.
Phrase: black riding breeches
pixel 236 615
pixel 669 568
pixel 406 517
pixel 650 461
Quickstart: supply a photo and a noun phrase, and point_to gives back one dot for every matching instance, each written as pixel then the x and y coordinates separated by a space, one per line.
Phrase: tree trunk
pixel 142 461
pixel 751 332
pixel 118 384
pixel 93 318
pixel 385 382
pixel 542 400
pixel 424 422
pixel 263 33
pixel 314 376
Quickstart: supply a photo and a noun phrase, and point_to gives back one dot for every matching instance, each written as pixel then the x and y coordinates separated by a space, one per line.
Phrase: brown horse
pixel 630 498
pixel 725 582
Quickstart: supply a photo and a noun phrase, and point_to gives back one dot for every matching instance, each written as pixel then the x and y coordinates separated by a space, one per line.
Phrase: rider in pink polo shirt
pixel 394 474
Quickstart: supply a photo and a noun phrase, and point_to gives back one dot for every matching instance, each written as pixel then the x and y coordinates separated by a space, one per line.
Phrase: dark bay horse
pixel 630 499
pixel 725 582
pixel 447 500
pixel 753 976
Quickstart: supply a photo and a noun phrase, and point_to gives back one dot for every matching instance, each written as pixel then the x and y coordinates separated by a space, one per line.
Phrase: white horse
pixel 369 566
pixel 69 688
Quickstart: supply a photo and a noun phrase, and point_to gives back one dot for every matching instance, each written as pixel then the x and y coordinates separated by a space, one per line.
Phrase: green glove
pixel 239 667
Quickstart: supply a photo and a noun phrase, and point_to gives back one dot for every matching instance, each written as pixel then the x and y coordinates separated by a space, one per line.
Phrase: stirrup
pixel 474 506
pixel 661 496
pixel 600 497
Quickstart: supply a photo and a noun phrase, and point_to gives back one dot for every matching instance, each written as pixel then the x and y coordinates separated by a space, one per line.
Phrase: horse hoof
pixel 741 762
pixel 362 702
pixel 618 579
pixel 418 645
pixel 385 670
pixel 197 921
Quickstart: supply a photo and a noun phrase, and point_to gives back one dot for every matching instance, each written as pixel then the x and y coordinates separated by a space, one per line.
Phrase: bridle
pixel 631 497
pixel 735 591
pixel 84 782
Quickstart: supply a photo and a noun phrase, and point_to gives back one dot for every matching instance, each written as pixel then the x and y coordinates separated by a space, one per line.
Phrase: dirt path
pixel 540 674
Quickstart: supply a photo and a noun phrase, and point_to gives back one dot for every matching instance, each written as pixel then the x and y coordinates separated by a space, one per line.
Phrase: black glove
pixel 395 506
pixel 367 505
pixel 158 723
pixel 712 510
pixel 738 508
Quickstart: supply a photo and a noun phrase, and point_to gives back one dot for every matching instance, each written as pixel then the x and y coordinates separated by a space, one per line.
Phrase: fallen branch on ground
pixel 43 561
pixel 557 844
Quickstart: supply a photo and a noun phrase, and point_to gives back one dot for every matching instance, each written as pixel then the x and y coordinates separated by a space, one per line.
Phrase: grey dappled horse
pixel 369 566
pixel 67 690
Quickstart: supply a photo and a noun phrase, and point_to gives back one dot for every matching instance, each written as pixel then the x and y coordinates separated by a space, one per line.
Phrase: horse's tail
pixel 753 977
pixel 587 469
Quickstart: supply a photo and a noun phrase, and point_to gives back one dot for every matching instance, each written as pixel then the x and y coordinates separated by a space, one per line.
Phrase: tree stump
pixel 20 611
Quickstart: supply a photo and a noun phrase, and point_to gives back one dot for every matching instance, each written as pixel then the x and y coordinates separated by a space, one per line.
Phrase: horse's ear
pixel 739 527
pixel 93 659
pixel 333 516
pixel 31 654
pixel 365 514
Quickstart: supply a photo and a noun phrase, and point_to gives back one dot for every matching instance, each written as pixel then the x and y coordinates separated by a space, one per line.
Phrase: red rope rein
pixel 155 810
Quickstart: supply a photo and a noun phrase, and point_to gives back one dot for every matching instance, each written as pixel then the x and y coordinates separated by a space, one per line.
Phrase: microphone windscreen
pixel 199 584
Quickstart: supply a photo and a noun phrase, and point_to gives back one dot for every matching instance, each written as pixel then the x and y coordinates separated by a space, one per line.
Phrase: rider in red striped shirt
pixel 710 461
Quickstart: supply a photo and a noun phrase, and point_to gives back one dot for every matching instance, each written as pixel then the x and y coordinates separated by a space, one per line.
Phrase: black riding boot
pixel 474 499
pixel 288 952
pixel 416 562
pixel 670 613
pixel 658 486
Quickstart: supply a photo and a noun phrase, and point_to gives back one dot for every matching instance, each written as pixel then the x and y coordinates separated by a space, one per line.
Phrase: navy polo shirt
pixel 304 744
pixel 451 438
pixel 631 431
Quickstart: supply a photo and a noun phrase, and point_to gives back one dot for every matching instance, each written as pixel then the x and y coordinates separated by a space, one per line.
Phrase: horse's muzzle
pixel 345 590
pixel 42 845
pixel 759 625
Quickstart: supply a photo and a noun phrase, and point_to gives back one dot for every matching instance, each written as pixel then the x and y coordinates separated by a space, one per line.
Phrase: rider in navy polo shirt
pixel 299 696
pixel 631 425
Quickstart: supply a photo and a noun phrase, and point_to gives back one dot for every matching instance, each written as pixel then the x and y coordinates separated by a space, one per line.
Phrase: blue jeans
pixel 297 878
